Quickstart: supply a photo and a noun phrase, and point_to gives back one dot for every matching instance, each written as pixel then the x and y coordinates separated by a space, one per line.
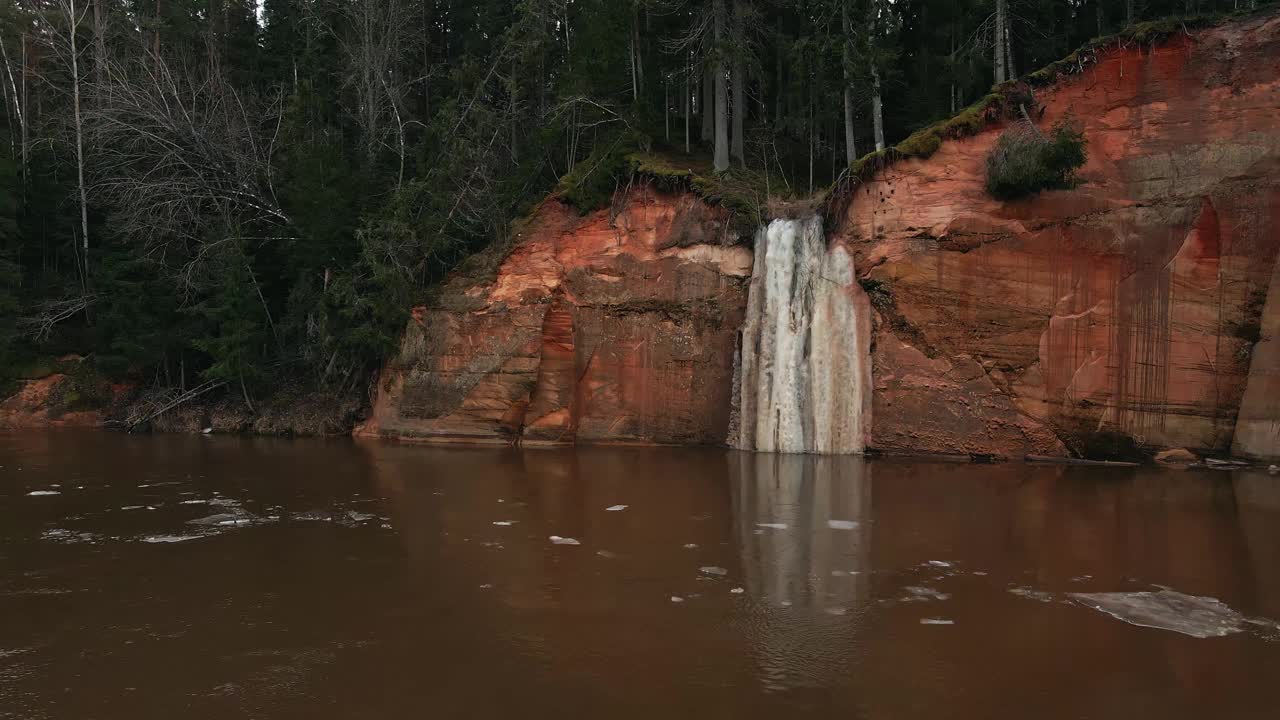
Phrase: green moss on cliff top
pixel 1004 100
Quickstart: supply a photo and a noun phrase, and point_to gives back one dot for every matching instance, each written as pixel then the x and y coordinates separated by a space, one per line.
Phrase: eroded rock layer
pixel 618 326
pixel 1121 313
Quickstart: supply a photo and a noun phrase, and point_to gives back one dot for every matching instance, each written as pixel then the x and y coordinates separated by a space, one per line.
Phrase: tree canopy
pixel 224 191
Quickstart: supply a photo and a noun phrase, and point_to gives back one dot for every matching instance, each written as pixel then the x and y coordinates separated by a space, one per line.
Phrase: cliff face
pixel 1126 308
pixel 1122 313
pixel 619 326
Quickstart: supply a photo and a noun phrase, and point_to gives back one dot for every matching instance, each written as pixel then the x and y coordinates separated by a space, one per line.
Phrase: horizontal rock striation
pixel 1118 315
pixel 618 326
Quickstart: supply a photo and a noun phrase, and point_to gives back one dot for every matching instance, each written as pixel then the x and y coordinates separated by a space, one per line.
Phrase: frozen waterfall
pixel 803 378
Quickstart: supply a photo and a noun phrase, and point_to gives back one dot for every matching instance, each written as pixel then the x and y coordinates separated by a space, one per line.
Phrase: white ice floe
pixel 170 538
pixel 557 540
pixel 712 570
pixel 194 502
pixel 615 508
pixel 677 599
pixel 842 524
pixel 690 546
pixel 936 621
pixel 504 523
pixel 918 593
pixel 1031 594
pixel 1199 617
pixel 773 526
pixel 938 563
pixel 737 591
pixel 41 493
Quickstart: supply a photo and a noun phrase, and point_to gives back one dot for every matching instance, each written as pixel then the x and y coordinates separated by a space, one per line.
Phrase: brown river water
pixel 214 577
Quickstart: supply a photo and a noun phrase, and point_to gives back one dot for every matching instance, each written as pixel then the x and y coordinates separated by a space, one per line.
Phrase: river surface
pixel 213 577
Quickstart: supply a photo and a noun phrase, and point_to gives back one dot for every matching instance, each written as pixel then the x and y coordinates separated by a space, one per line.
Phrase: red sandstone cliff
pixel 1126 307
pixel 1122 312
pixel 618 326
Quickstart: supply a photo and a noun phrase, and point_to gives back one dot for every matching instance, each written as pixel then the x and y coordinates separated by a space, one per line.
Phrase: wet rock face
pixel 1121 314
pixel 618 326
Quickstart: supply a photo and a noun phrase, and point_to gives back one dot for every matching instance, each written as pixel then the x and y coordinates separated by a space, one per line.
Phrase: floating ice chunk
pixel 615 508
pixel 132 507
pixel 1199 617
pixel 936 621
pixel 557 540
pixel 69 537
pixel 677 599
pixel 835 611
pixel 206 431
pixel 194 502
pixel 486 586
pixel 938 563
pixel 774 526
pixel 785 603
pixel 170 538
pixel 737 591
pixel 980 573
pixel 842 524
pixel 504 523
pixel 713 570
pixel 606 554
pixel 40 493
pixel 690 546
pixel 223 519
pixel 919 593
pixel 1031 594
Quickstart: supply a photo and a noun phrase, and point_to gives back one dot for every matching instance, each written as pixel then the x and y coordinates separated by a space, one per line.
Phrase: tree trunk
pixel 1128 13
pixel 515 115
pixel 19 111
pixel 72 25
pixel 99 43
pixel 722 94
pixel 877 108
pixel 634 55
pixel 777 89
pixel 999 62
pixel 850 149
pixel 1012 73
pixel 951 96
pixel 688 102
pixel 739 82
pixel 707 111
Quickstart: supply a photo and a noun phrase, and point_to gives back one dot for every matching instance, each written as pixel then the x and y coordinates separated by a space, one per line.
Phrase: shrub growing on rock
pixel 1026 161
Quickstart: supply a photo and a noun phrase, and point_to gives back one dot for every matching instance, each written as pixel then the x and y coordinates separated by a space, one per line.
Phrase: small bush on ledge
pixel 1026 161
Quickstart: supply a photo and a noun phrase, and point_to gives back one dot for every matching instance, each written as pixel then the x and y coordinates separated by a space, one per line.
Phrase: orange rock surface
pixel 1084 319
pixel 618 326
pixel 33 406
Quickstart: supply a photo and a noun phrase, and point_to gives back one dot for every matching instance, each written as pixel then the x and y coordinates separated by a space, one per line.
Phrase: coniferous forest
pixel 241 197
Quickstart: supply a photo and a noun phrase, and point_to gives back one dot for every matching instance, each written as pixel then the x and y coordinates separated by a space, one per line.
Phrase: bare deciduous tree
pixel 185 162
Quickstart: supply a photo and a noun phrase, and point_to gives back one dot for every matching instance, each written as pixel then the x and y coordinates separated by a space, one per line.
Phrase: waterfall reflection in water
pixel 803 530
